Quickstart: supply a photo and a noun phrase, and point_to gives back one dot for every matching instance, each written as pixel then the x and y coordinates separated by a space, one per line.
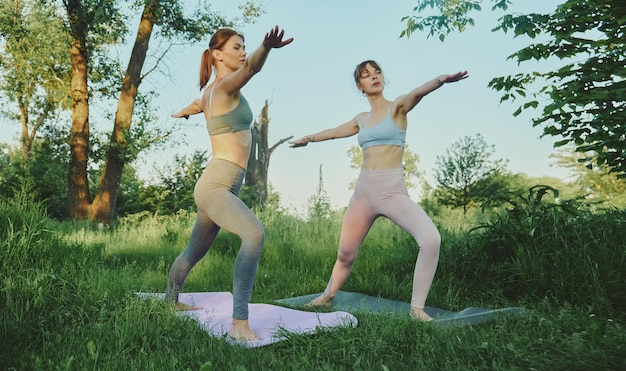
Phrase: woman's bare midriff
pixel 382 157
pixel 233 147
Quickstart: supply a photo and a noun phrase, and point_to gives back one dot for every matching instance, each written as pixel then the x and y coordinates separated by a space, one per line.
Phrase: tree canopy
pixel 467 174
pixel 34 67
pixel 583 101
pixel 59 55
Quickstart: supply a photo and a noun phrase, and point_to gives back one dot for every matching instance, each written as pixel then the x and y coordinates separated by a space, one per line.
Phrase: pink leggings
pixel 383 193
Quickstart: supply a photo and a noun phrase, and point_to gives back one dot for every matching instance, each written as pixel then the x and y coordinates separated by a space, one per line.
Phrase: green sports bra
pixel 238 119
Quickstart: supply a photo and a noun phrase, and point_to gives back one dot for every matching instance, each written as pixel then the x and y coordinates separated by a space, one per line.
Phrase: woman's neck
pixel 378 102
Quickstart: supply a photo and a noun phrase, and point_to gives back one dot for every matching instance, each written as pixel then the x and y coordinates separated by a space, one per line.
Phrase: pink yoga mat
pixel 267 320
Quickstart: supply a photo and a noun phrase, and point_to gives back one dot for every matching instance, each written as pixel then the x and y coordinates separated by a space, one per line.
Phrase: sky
pixel 309 87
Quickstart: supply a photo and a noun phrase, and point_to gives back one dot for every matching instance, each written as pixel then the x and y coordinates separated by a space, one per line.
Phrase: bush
pixel 537 249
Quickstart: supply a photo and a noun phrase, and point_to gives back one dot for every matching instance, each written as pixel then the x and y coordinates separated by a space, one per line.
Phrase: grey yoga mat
pixel 355 302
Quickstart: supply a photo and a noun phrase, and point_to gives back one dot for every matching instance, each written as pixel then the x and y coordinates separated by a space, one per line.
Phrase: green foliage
pixel 536 249
pixel 36 74
pixel 319 203
pixel 129 198
pixel 251 197
pixel 585 104
pixel 34 68
pixel 46 173
pixel 175 23
pixel 451 15
pixel 467 175
pixel 595 185
pixel 174 190
pixel 178 182
pixel 68 296
pixel 33 72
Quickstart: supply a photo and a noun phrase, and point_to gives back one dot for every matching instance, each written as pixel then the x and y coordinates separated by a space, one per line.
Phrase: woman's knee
pixel 430 244
pixel 346 258
pixel 253 233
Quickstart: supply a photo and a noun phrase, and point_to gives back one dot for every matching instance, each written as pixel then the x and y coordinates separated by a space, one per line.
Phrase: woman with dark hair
pixel 228 117
pixel 380 188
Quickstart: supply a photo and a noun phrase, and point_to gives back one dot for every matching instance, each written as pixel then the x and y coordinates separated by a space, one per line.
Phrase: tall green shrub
pixel 537 249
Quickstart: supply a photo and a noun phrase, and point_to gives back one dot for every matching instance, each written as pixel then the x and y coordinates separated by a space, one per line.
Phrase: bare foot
pixel 420 315
pixel 181 307
pixel 241 331
pixel 322 301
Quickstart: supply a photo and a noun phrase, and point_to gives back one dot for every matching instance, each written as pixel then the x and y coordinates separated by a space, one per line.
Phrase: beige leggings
pixel 383 193
pixel 219 208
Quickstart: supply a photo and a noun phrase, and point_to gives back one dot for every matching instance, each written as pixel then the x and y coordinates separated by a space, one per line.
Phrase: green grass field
pixel 67 297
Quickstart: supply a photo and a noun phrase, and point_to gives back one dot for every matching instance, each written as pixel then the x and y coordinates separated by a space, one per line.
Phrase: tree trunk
pixel 78 186
pixel 102 210
pixel 27 143
pixel 29 137
pixel 259 160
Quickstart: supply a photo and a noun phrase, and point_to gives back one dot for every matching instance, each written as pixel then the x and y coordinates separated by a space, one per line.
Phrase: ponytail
pixel 206 66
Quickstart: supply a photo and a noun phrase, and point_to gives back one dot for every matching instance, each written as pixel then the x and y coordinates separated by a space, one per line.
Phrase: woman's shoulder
pixel 360 117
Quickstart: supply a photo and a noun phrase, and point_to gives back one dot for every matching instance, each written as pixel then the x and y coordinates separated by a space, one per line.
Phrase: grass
pixel 68 302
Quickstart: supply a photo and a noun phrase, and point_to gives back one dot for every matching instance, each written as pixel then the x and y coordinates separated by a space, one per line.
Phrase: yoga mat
pixel 266 320
pixel 354 302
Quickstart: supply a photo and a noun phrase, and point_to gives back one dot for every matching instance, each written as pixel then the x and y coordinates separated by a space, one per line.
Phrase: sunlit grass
pixel 68 295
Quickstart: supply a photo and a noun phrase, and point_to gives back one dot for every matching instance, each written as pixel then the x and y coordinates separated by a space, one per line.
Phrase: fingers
pixel 178 116
pixel 275 37
pixel 273 32
pixel 457 76
pixel 286 42
pixel 298 143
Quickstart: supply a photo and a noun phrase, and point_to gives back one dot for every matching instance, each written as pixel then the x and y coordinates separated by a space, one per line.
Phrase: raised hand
pixel 454 77
pixel 299 143
pixel 274 38
pixel 179 115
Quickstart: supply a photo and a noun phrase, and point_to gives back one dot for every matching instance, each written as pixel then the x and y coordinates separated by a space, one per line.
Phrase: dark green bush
pixel 537 249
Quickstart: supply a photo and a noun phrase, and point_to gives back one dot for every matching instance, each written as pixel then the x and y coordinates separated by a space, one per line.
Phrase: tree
pixel 259 160
pixel 319 204
pixel 180 180
pixel 467 175
pixel 410 160
pixel 585 98
pixel 46 171
pixel 168 15
pixel 90 27
pixel 595 184
pixel 35 67
pixel 85 22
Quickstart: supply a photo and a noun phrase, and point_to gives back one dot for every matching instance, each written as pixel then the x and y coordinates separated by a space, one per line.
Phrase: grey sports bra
pixel 385 132
pixel 238 119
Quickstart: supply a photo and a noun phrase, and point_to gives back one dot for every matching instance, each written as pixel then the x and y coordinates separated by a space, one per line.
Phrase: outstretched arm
pixel 407 102
pixel 342 131
pixel 253 64
pixel 192 109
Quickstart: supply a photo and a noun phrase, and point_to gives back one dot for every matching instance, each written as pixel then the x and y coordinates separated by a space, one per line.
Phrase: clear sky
pixel 310 88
